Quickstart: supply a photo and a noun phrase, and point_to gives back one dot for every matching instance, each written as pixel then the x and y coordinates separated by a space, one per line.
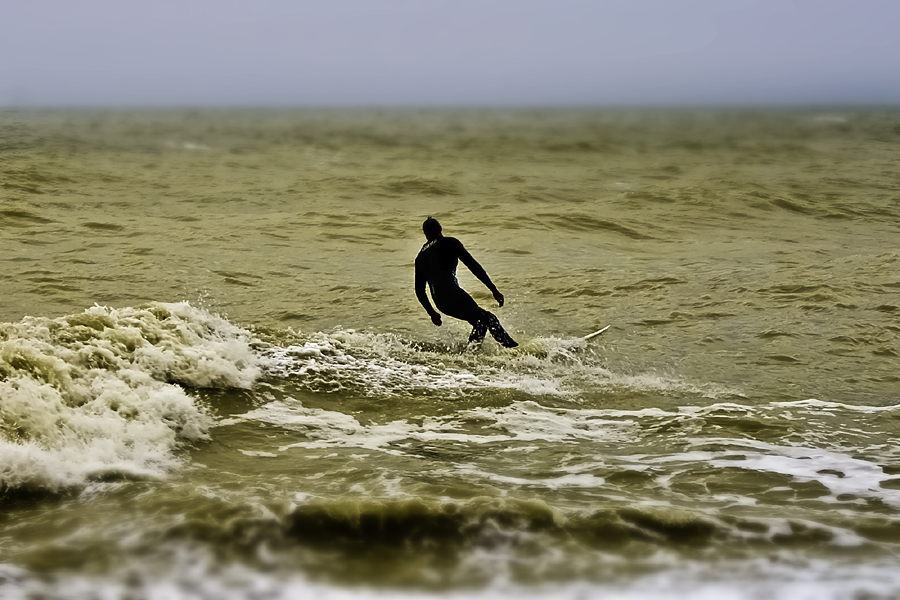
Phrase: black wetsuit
pixel 436 265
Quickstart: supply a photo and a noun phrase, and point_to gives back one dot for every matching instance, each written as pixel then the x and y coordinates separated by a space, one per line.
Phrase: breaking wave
pixel 101 395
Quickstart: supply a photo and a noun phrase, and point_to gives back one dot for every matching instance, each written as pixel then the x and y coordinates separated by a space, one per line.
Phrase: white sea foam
pixel 813 405
pixel 331 429
pixel 95 395
pixel 520 425
pixel 844 476
pixel 326 365
pixel 384 365
pixel 572 480
pixel 521 422
pixel 749 580
pixel 530 421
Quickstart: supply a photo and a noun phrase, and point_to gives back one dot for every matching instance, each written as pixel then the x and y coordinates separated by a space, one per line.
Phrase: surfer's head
pixel 431 228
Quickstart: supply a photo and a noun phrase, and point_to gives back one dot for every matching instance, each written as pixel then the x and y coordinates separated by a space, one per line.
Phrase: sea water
pixel 216 381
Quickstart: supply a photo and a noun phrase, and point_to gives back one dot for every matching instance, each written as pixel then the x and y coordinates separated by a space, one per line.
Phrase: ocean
pixel 216 380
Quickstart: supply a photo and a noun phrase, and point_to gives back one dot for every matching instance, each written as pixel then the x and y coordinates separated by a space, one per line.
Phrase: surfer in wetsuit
pixel 436 266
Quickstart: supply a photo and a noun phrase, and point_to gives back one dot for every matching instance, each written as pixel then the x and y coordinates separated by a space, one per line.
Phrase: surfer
pixel 436 266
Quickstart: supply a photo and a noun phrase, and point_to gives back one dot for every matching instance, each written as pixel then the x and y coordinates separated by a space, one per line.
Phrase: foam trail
pixel 385 365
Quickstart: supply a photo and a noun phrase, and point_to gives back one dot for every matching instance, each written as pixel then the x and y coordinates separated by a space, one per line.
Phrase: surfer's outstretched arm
pixel 421 280
pixel 477 270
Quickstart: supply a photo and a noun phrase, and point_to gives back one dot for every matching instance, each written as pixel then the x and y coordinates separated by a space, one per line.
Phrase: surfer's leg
pixel 457 303
pixel 479 329
pixel 493 324
pixel 460 305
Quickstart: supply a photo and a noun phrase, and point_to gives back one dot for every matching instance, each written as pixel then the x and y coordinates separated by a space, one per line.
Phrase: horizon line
pixel 459 106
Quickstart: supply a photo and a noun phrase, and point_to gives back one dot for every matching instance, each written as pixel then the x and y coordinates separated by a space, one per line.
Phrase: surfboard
pixel 596 333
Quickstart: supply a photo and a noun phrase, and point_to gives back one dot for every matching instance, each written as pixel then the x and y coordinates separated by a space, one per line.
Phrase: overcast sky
pixel 448 52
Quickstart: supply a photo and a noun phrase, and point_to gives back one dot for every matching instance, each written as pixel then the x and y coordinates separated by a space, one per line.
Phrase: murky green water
pixel 216 381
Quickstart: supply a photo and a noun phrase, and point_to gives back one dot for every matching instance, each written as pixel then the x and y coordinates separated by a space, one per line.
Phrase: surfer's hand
pixel 436 319
pixel 498 297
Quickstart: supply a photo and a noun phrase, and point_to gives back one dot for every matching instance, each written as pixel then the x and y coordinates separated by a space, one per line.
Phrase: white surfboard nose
pixel 596 333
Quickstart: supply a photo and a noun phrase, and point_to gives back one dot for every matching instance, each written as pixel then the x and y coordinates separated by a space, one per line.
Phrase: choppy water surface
pixel 215 379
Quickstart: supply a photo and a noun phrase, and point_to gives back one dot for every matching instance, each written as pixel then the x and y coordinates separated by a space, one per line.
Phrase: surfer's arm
pixel 421 280
pixel 477 270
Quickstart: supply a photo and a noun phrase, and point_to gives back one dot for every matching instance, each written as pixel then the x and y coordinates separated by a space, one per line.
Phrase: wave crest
pixel 98 394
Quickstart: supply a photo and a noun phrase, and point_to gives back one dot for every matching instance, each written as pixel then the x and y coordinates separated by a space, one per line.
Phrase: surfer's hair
pixel 431 228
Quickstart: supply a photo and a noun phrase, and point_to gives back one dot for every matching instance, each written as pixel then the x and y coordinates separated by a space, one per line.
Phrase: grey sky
pixel 448 52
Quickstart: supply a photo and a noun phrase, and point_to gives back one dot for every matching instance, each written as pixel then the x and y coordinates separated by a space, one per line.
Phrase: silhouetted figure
pixel 436 266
